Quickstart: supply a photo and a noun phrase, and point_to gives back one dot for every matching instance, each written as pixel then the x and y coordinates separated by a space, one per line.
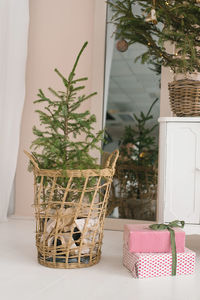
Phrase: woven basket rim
pixel 185 81
pixel 107 170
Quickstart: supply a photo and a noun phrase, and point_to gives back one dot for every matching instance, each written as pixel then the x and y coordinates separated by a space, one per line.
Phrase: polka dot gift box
pixel 157 250
pixel 148 265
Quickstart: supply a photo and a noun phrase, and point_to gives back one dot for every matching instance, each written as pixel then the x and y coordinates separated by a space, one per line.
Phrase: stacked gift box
pixel 148 253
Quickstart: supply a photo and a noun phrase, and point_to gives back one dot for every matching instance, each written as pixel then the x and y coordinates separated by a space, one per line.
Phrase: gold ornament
pixel 142 154
pixel 197 1
pixel 122 45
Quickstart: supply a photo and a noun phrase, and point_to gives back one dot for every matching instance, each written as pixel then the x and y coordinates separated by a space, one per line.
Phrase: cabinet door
pixel 183 172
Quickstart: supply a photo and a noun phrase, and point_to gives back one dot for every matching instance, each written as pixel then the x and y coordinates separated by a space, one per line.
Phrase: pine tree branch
pixel 79 79
pixel 55 93
pixel 71 75
pixel 62 77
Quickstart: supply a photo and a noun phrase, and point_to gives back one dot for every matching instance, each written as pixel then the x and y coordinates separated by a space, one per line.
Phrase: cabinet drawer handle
pixel 198 169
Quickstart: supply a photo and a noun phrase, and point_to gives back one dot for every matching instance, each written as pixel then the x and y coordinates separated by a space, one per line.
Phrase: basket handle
pixel 32 159
pixel 112 159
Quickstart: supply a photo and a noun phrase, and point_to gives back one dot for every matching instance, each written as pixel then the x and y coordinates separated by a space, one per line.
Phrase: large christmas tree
pixel 66 136
pixel 160 21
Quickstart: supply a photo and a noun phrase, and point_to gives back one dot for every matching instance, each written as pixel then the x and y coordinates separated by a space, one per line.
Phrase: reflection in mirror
pixel 131 111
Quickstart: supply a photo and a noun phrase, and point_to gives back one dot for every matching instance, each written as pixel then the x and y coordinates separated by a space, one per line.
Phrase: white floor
pixel 21 277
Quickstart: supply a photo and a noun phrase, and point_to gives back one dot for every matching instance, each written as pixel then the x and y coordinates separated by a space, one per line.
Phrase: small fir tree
pixel 66 136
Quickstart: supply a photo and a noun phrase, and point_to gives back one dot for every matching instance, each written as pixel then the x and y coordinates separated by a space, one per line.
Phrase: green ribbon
pixel 170 227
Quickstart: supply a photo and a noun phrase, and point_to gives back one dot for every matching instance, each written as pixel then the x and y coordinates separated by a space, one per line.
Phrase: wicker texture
pixel 185 97
pixel 134 191
pixel 70 218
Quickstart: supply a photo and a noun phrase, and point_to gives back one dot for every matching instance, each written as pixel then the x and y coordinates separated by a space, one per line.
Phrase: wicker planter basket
pixel 185 97
pixel 70 218
pixel 134 192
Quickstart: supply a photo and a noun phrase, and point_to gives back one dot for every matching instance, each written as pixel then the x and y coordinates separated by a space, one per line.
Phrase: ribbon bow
pixel 170 227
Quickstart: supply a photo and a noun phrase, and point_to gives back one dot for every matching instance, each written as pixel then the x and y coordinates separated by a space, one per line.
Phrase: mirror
pixel 131 112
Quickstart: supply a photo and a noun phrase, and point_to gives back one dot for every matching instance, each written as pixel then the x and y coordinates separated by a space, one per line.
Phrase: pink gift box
pixel 140 238
pixel 148 265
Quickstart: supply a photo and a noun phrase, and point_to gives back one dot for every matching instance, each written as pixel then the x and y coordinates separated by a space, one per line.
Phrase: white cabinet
pixel 179 170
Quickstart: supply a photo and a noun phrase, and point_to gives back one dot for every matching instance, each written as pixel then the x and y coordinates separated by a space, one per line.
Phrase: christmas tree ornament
pixel 122 45
pixel 151 17
pixel 198 1
pixel 143 154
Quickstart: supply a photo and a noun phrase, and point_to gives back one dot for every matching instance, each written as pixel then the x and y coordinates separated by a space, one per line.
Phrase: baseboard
pixel 24 218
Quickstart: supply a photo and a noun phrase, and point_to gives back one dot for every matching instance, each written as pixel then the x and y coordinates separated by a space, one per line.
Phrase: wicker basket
pixel 185 97
pixel 134 192
pixel 70 218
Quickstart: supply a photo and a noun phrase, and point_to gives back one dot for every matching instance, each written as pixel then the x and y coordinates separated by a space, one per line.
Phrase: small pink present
pixel 148 265
pixel 140 238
